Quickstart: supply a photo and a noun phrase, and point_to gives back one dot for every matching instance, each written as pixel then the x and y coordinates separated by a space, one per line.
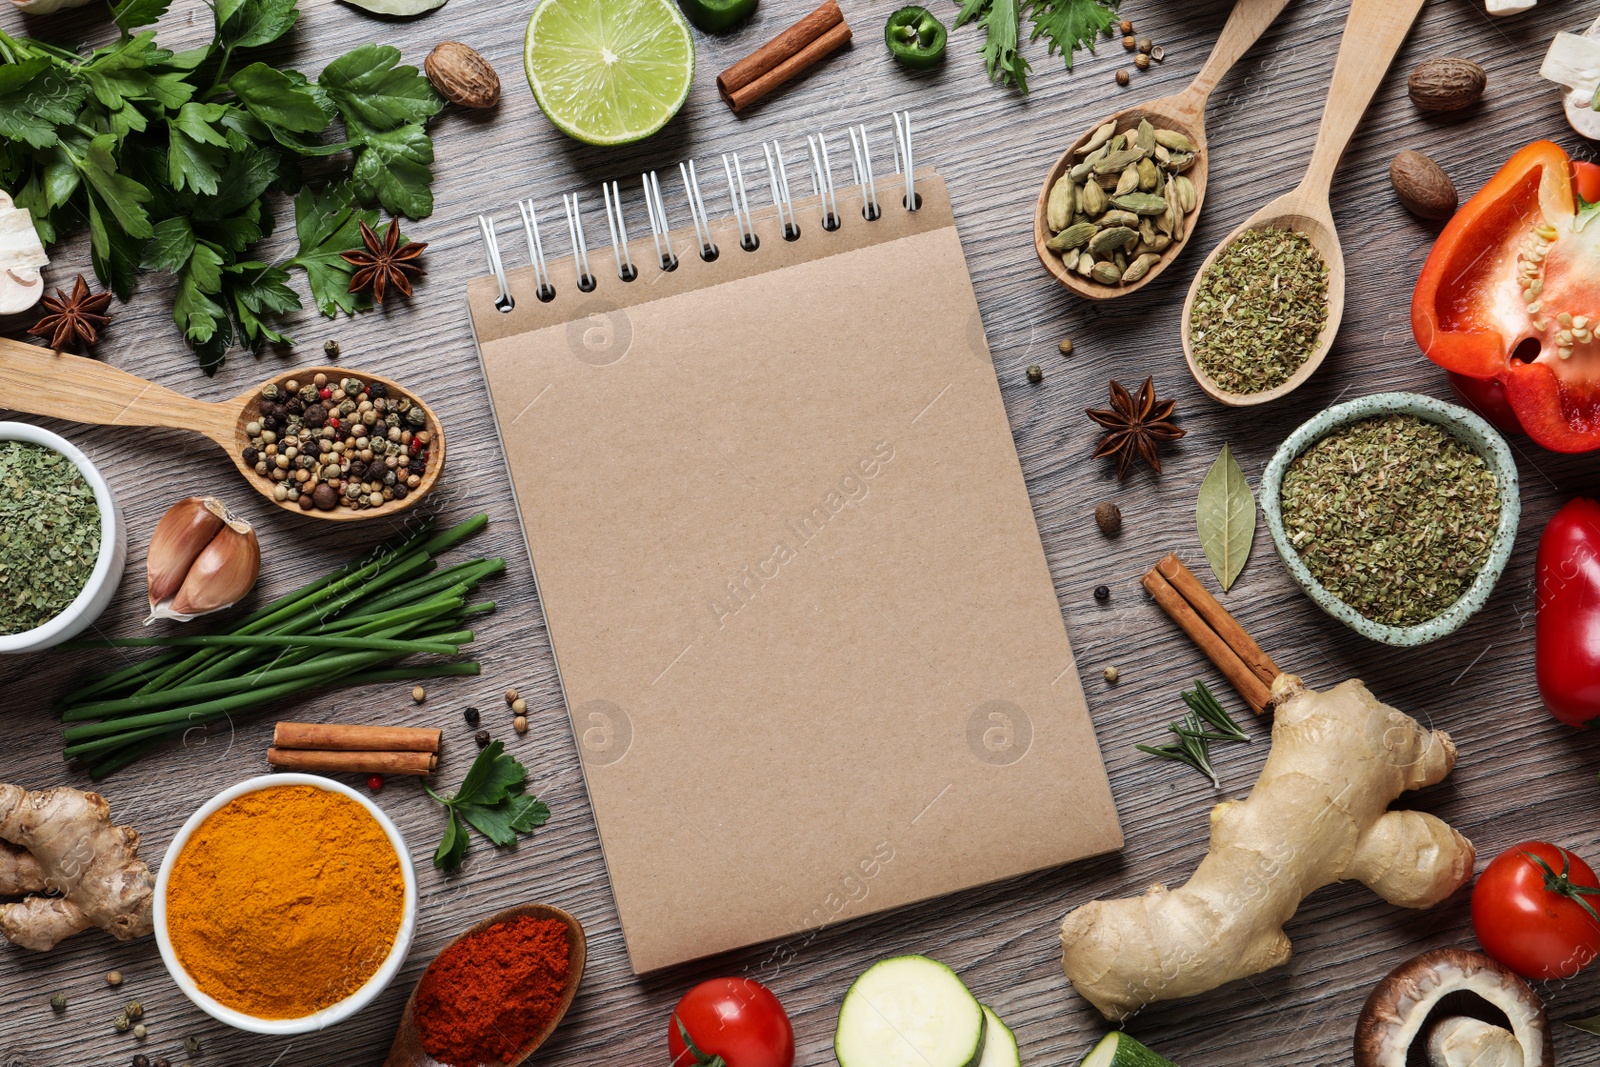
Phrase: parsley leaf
pixel 373 94
pixel 999 19
pixel 35 98
pixel 1070 24
pixel 131 14
pixel 492 801
pixel 1067 25
pixel 393 170
pixel 269 95
pixel 253 23
pixel 328 224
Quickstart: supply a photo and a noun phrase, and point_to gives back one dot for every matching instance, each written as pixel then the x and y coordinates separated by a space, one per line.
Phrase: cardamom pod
pixel 1118 217
pixel 1149 175
pixel 1074 236
pixel 1140 267
pixel 1146 139
pixel 1108 241
pixel 1142 203
pixel 1114 162
pixel 1093 201
pixel 1162 156
pixel 1062 203
pixel 1129 181
pixel 1182 161
pixel 1106 273
pixel 1174 140
pixel 1085 264
pixel 1160 243
pixel 1097 138
pixel 1186 192
pixel 1080 173
pixel 1147 230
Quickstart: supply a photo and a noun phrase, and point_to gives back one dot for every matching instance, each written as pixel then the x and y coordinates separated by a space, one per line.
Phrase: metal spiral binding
pixel 738 194
pixel 491 246
pixel 697 209
pixel 544 288
pixel 861 172
pixel 619 231
pixel 780 190
pixel 741 203
pixel 903 160
pixel 659 227
pixel 822 181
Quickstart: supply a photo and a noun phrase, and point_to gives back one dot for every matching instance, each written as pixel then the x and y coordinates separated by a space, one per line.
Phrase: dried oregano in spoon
pixel 1393 515
pixel 1259 310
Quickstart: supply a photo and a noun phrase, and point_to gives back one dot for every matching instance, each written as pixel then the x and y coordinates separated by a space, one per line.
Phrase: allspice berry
pixel 1108 517
pixel 324 496
pixel 482 738
pixel 1122 77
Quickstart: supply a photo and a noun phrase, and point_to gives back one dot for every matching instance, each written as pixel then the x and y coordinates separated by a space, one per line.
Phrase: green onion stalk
pixel 357 626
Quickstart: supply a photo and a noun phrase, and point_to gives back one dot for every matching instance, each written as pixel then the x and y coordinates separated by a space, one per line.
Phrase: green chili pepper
pixel 915 37
pixel 717 16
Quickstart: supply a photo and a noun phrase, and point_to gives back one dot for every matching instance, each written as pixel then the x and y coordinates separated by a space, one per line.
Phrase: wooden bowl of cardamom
pixel 1119 203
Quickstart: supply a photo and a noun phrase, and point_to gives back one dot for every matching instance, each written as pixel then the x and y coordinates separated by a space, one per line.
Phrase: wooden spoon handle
pixel 41 382
pixel 1372 35
pixel 1249 20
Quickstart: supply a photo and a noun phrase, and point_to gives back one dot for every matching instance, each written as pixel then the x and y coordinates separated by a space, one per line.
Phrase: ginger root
pixel 65 843
pixel 1317 815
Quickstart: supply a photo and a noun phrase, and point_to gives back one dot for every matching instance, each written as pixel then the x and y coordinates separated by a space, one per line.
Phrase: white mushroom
pixel 1401 1012
pixel 1573 61
pixel 1501 8
pixel 21 256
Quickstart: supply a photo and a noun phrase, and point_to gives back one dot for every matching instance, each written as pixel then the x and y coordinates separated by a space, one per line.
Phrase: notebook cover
pixel 799 606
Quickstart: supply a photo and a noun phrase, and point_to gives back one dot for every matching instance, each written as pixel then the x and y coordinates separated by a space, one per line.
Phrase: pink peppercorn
pixel 375 782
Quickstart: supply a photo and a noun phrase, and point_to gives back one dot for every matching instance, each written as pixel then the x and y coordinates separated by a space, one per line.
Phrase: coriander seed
pixel 114 979
pixel 419 694
pixel 1065 346
pixel 1126 25
pixel 1142 61
pixel 511 697
pixel 1145 44
pixel 1122 77
pixel 520 724
pixel 1130 43
pixel 519 706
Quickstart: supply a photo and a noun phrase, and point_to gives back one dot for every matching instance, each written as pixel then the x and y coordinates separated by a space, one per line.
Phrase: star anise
pixel 383 263
pixel 1135 426
pixel 73 321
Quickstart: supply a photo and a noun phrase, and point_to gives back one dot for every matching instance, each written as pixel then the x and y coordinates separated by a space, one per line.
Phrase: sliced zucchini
pixel 999 1043
pixel 1117 1049
pixel 909 1011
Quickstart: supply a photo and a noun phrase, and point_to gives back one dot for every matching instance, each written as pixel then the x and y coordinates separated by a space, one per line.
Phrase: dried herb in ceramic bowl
pixel 49 535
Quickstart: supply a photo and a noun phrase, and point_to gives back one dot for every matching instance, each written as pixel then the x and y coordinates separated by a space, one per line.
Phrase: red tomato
pixel 737 1019
pixel 1528 910
pixel 1586 180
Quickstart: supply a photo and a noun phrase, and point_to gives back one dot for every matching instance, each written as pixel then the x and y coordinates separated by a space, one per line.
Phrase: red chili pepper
pixel 1567 629
pixel 1511 294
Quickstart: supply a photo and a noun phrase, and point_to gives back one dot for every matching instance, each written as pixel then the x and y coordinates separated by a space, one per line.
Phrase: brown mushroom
pixel 1465 1009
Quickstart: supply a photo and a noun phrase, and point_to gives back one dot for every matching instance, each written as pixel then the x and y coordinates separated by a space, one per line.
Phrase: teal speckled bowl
pixel 1464 425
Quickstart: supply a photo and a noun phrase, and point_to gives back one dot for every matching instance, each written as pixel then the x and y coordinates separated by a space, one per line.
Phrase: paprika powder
pixel 491 993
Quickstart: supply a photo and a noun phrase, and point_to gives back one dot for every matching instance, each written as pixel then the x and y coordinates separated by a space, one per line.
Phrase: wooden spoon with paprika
pixel 407 1050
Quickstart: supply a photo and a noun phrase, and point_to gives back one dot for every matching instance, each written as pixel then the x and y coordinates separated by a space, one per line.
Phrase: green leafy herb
pixel 1207 721
pixel 1067 25
pixel 491 799
pixel 1226 518
pixel 1591 1025
pixel 167 158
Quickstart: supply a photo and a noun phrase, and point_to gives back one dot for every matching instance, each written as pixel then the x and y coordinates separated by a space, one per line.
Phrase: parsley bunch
pixel 491 798
pixel 169 156
pixel 1067 24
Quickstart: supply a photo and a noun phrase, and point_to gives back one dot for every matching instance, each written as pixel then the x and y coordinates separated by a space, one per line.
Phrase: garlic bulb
pixel 201 559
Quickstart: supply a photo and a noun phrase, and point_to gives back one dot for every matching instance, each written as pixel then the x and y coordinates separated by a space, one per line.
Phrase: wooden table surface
pixel 1521 775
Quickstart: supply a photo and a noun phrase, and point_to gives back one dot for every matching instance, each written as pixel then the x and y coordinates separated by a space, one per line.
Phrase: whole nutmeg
pixel 1108 517
pixel 1448 84
pixel 1423 186
pixel 462 76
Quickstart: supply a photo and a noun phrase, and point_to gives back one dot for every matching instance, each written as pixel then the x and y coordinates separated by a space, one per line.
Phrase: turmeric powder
pixel 285 901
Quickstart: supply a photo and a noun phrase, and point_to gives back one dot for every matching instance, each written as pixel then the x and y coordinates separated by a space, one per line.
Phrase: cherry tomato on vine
pixel 730 1022
pixel 1535 910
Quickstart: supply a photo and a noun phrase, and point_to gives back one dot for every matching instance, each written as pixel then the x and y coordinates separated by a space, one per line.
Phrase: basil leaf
pixel 1226 518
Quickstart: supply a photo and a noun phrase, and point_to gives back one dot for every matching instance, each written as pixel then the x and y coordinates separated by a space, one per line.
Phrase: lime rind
pixel 609 72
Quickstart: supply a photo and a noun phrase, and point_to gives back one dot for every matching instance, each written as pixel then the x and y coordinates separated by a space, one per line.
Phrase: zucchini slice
pixel 909 1011
pixel 1117 1049
pixel 999 1043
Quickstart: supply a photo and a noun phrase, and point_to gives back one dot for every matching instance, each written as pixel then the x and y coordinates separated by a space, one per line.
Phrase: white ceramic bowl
pixel 102 584
pixel 329 1016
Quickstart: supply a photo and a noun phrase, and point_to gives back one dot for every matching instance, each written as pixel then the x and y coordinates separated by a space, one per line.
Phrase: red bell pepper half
pixel 1567 627
pixel 1517 270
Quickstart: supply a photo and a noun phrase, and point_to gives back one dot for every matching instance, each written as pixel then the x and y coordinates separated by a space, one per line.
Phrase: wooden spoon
pixel 41 382
pixel 1183 112
pixel 1372 35
pixel 407 1050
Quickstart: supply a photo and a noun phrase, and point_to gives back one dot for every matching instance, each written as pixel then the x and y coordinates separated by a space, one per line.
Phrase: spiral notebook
pixel 799 606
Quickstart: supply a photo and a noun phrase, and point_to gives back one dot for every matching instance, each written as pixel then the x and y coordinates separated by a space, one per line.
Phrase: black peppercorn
pixel 141 1060
pixel 271 422
pixel 1102 594
pixel 316 415
pixel 295 406
pixel 400 491
pixel 472 716
pixel 358 470
pixel 250 457
pixel 377 390
pixel 162 1062
pixel 482 737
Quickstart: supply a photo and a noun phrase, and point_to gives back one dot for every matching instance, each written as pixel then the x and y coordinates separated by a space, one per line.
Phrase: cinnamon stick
pixel 340 738
pixel 785 57
pixel 1226 626
pixel 1217 650
pixel 323 762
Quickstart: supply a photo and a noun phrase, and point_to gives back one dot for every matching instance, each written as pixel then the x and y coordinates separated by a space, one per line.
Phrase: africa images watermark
pixel 746 584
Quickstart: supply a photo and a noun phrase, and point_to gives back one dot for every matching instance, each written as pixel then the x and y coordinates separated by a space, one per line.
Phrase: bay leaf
pixel 1590 1025
pixel 399 8
pixel 1225 516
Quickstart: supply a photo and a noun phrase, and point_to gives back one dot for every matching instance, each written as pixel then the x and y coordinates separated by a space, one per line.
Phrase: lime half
pixel 609 72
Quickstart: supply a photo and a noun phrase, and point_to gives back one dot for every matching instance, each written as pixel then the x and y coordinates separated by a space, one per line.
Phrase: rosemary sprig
pixel 1193 744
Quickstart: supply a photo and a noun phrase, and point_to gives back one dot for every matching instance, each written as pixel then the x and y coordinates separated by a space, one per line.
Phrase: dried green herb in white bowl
pixel 1395 513
pixel 62 543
